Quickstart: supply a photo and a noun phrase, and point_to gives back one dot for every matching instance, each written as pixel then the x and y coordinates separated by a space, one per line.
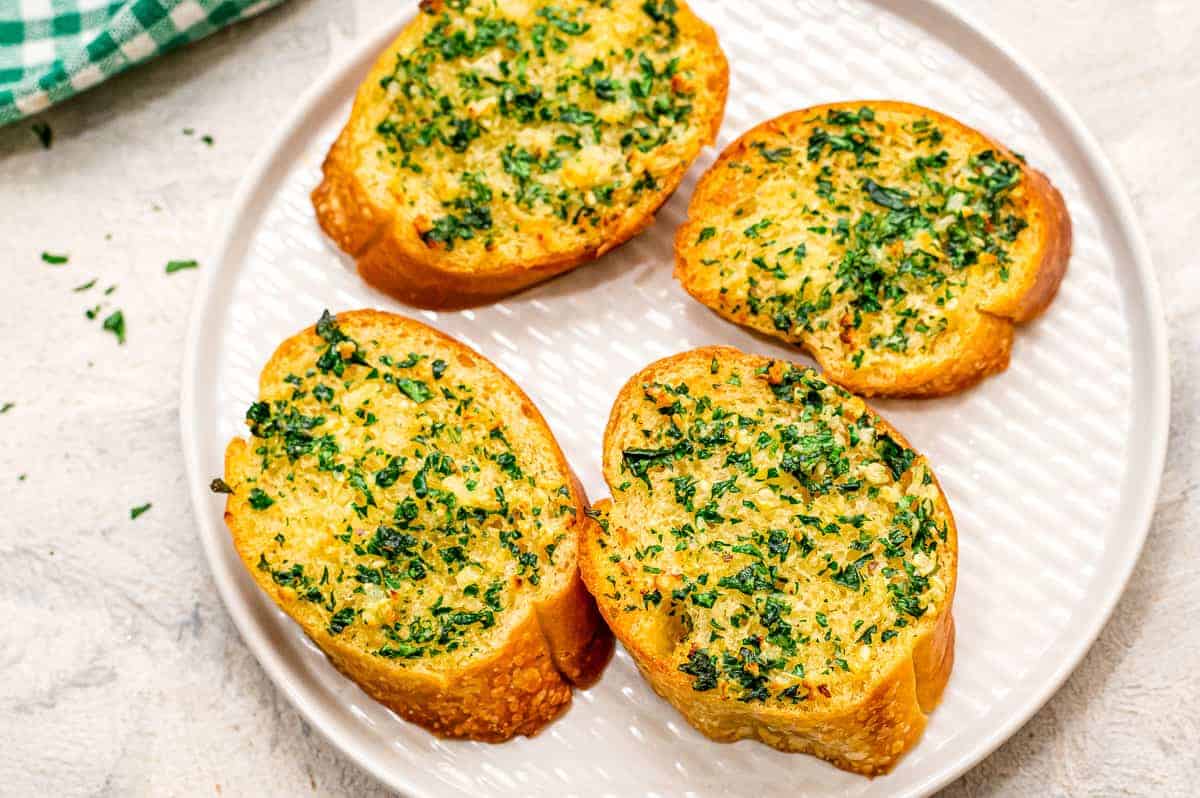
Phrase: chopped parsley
pixel 416 390
pixel 115 324
pixel 434 519
pixel 907 234
pixel 341 619
pixel 553 129
pixel 703 667
pixel 772 537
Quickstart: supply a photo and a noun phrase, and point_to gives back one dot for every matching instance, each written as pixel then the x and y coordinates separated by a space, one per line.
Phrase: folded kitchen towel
pixel 53 49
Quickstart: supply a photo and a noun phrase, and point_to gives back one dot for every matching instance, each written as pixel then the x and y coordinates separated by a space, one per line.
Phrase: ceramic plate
pixel 1052 468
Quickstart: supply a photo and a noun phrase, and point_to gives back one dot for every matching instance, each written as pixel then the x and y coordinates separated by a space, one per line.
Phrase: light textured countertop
pixel 120 672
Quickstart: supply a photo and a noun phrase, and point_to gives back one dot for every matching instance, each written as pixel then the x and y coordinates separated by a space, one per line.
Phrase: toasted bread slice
pixel 404 502
pixel 497 143
pixel 896 245
pixel 776 558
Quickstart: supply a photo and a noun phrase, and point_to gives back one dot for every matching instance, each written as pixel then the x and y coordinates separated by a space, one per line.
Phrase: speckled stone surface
pixel 120 672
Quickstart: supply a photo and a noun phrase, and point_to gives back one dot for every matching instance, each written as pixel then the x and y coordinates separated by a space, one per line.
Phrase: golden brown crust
pixel 393 258
pixel 986 347
pixel 868 737
pixel 988 351
pixel 526 682
pixel 1055 250
pixel 579 640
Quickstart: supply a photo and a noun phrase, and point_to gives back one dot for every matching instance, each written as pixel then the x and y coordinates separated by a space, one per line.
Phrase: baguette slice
pixel 896 245
pixel 405 503
pixel 776 558
pixel 497 143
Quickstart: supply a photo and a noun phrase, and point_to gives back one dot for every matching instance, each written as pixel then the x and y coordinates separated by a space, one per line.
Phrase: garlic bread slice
pixel 776 558
pixel 405 503
pixel 895 244
pixel 497 143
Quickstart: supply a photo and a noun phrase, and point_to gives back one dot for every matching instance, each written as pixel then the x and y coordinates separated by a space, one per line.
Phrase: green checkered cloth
pixel 53 49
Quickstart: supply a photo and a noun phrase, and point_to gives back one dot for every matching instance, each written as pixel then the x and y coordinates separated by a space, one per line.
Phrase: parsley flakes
pixel 115 324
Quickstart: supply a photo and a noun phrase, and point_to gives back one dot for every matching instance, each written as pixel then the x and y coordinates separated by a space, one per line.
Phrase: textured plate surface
pixel 1051 468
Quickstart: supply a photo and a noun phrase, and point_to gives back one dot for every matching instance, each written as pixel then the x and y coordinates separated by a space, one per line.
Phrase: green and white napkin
pixel 53 49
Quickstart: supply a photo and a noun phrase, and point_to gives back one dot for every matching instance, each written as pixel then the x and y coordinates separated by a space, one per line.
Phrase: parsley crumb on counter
pixel 115 324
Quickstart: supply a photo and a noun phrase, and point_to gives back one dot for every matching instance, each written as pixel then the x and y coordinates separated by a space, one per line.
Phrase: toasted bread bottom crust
pixel 408 270
pixel 987 350
pixel 517 691
pixel 868 737
pixel 364 232
pixel 868 740
pixel 526 683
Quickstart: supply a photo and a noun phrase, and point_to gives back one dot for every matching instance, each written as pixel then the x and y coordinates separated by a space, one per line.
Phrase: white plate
pixel 1052 468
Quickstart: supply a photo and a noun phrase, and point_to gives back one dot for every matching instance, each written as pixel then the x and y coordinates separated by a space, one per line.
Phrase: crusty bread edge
pixel 527 682
pixel 868 738
pixel 416 274
pixel 990 347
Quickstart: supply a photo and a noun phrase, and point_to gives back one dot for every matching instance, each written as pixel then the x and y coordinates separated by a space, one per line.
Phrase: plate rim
pixel 926 12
